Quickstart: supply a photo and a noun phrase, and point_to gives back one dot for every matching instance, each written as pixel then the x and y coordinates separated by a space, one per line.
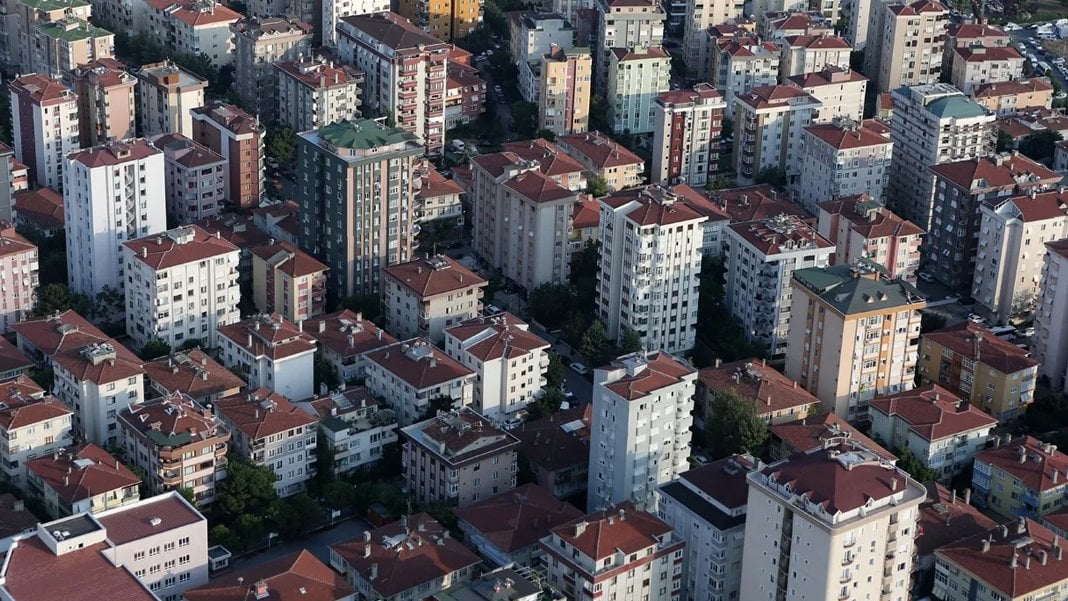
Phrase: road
pixel 1028 34
pixel 318 545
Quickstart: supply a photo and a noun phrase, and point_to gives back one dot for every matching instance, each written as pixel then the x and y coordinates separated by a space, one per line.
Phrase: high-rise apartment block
pixel 686 135
pixel 841 92
pixel 636 76
pixel 61 46
pixel 19 276
pixel 564 96
pixel 449 20
pixel 405 71
pixel 740 64
pixel 1049 345
pixel 259 44
pixel 44 123
pixel 107 102
pixel 193 27
pixel 861 228
pixel 854 335
pixel 761 257
pixel 768 125
pixel 288 281
pixel 334 10
pixel 313 93
pixel 360 158
pixel 180 285
pixel 855 519
pixel 113 193
pixel 237 137
pixel 839 159
pixel 913 40
pixel 700 16
pixel 166 93
pixel 623 24
pixel 195 179
pixel 640 430
pixel 649 266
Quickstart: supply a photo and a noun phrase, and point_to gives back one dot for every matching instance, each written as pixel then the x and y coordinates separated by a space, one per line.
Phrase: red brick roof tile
pixel 661 370
pixel 82 473
pixel 619 528
pixel 993 352
pixel 180 246
pixel 994 566
pixel 418 363
pixel 933 412
pixel 518 518
pixel 261 413
pixel 753 380
pixel 434 276
pixel 297 577
pixel 1035 472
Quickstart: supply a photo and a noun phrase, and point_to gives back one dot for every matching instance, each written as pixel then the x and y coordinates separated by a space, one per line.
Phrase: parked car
pixel 512 423
pixel 579 368
pixel 493 310
pixel 972 317
pixel 923 275
pixel 999 330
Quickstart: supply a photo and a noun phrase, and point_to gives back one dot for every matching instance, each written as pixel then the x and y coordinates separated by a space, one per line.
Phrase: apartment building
pixel 742 64
pixel 961 190
pixel 812 53
pixel 33 423
pixel 465 91
pixel 19 269
pixel 913 40
pixel 509 361
pixel 21 26
pixel 362 156
pixel 968 359
pixel 1012 238
pixel 61 46
pixel 686 135
pixel 1008 97
pixel 12 177
pixel 417 553
pixel 449 21
pixel 237 137
pixel 457 457
pixel 313 93
pixel 761 258
pixel 166 93
pixel 931 125
pixel 991 564
pixel 776 398
pixel 534 33
pixel 13 361
pixel 642 565
pixel 623 24
pixel 405 71
pixel 813 433
pixel 272 352
pixel 605 158
pixel 409 375
pixel 940 429
pixel 1022 477
pixel 842 159
pixel 1049 345
pixel 977 65
pixel 80 479
pixel 640 428
pixel 841 92
pixel 650 260
pixel 259 44
pixel 974 34
pixel 40 211
pixel 556 164
pixel 860 227
pixel 177 444
pixel 195 178
pixel 851 495
pixel 333 11
pixel 505 529
pixel 191 373
pixel 521 216
pixel 854 335
pixel 288 281
pixel 564 94
pixel 425 296
pixel 706 507
pixel 557 448
pixel 44 124
pixel 768 126
pixel 696 23
pixel 344 337
pixel 438 197
pixel 300 571
pixel 636 76
pixel 181 285
pixel 268 430
pixel 193 27
pixel 356 425
pixel 107 103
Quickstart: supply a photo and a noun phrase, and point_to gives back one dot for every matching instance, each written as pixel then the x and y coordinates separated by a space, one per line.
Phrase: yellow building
pixel 288 281
pixel 565 90
pixel 854 334
pixel 1021 478
pixel 447 20
pixel 968 359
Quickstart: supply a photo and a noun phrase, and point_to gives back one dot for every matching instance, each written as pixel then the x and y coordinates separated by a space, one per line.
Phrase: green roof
pixel 334 424
pixel 51 5
pixel 848 292
pixel 956 107
pixel 72 30
pixel 363 134
pixel 177 439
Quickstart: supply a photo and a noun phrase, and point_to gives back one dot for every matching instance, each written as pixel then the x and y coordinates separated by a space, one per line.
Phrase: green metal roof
pixel 956 107
pixel 177 439
pixel 363 134
pixel 334 424
pixel 848 293
pixel 68 32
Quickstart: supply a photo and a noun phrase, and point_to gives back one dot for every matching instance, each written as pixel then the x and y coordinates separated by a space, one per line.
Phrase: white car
pixel 512 423
pixel 579 368
pixel 923 275
pixel 972 317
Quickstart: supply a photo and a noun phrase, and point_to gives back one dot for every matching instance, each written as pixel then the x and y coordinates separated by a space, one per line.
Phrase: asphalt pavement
pixel 1027 34
pixel 318 545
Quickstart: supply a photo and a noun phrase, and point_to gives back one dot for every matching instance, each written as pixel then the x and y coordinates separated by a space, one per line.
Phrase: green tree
pixel 43 376
pixel 1005 142
pixel 599 114
pixel 546 134
pixel 549 304
pixel 153 349
pixel 192 343
pixel 370 305
pixel 930 322
pixel 56 298
pixel 631 342
pixel 339 495
pixel 295 516
pixel 188 494
pixel 247 489
pixel 733 425
pixel 771 175
pixel 911 464
pixel 1040 146
pixel 438 403
pixel 595 347
pixel 281 144
pixel 549 403
pixel 597 186
pixel 324 464
pixel 525 118
pixel 250 530
pixel 324 372
pixel 220 534
pixel 1049 411
pixel 554 374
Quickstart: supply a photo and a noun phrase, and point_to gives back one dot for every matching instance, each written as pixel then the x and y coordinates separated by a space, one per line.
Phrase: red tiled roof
pixel 554 161
pixel 933 412
pixel 601 151
pixel 262 413
pixel 753 380
pixel 25 403
pixel 42 89
pixel 724 479
pixel 434 184
pixel 999 172
pixel 846 138
pixel 496 337
pixel 1036 470
pixel 180 246
pixel 1059 247
pixel 946 518
pixel 995 352
pixel 239 230
pixel 993 565
pixel 229 117
pixel 319 74
pixel 587 213
pixel 348 334
pixel 434 276
pixel 43 207
pixel 80 348
pixel 393 31
pixel 1041 207
pixel 631 54
pixel 768 96
pixel 400 566
pixel 290 260
pixel 660 371
pixel 114 153
pixel 65 330
pixel 809 434
pixel 185 152
pixel 268 335
pixel 770 236
pixel 972 31
pixel 14 517
pixel 32 570
pixel 460 435
pixel 657 205
pixel 752 203
pixel 128 524
pixel 82 473
pixel 104 72
pixel 830 75
pixel 418 363
pixel 170 419
pixel 1009 88
pixel 996 53
pixel 547 444
pixel 192 372
pixel 538 188
pixel 196 14
pixel 12 359
pixel 518 518
pixel 619 528
pixel 869 218
pixel 817 42
pixel 297 577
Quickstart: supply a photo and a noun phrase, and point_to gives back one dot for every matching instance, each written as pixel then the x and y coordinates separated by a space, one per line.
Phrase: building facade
pixel 44 125
pixel 272 352
pixel 313 93
pixel 166 93
pixel 860 227
pixel 424 297
pixel 686 135
pixel 237 137
pixel 842 159
pixel 259 44
pixel 1049 345
pixel 195 178
pixel 1020 478
pixel 768 126
pixel 408 375
pixel 107 102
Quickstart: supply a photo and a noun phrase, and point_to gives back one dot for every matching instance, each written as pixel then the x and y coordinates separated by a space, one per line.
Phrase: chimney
pixel 967 496
pixel 374 571
pixel 1027 562
pixel 580 528
pixel 366 549
pixel 953 497
pixel 1021 526
pixel 1013 561
pixel 986 545
pixel 1023 454
pixel 718 362
pixel 260 589
pixel 1042 556
pixel 322 326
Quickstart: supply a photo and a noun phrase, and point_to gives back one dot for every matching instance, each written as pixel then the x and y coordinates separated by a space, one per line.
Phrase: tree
pixel 324 372
pixel 771 175
pixel 295 516
pixel 439 403
pixel 599 114
pixel 631 342
pixel 525 118
pixel 221 535
pixel 57 298
pixel 911 464
pixel 546 134
pixel 281 144
pixel 188 494
pixel 549 403
pixel 597 186
pixel 153 349
pixel 1040 146
pixel 554 374
pixel 324 464
pixel 594 347
pixel 1005 142
pixel 339 495
pixel 370 305
pixel 733 425
pixel 247 489
pixel 192 343
pixel 43 376
pixel 549 304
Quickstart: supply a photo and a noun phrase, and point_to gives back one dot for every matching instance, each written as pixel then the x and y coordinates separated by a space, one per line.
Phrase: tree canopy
pixel 247 489
pixel 733 425
pixel 153 349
